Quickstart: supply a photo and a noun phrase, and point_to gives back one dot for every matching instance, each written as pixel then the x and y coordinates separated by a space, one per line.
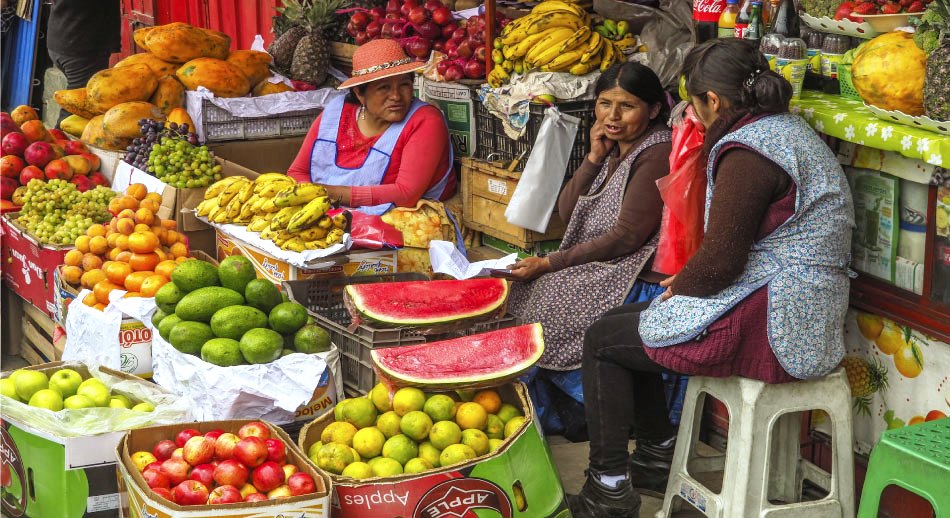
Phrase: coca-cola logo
pixel 708 10
pixel 459 497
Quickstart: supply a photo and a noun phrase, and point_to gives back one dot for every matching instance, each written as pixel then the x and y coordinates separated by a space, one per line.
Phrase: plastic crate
pixel 845 84
pixel 494 144
pixel 220 125
pixel 323 299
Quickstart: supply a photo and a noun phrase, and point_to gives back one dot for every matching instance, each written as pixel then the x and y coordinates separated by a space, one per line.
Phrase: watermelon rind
pixel 425 361
pixel 390 303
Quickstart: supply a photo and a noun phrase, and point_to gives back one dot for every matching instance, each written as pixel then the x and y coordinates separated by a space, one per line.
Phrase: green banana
pixel 611 26
pixel 623 27
pixel 600 29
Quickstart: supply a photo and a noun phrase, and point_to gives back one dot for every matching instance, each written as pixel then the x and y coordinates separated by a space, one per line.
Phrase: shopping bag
pixel 532 203
pixel 684 195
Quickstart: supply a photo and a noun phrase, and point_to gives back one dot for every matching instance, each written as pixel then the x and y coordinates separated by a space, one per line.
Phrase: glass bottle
pixel 756 28
pixel 727 20
pixel 742 19
pixel 706 18
pixel 785 20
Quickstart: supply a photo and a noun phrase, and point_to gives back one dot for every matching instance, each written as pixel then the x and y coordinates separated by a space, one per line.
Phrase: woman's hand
pixel 668 284
pixel 600 145
pixel 529 269
pixel 338 194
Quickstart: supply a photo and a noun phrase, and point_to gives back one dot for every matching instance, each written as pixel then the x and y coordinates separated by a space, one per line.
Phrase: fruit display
pixel 888 72
pixel 135 251
pixel 426 303
pixel 415 432
pixel 30 151
pixel 228 317
pixel 218 467
pixel 170 152
pixel 470 361
pixel 302 51
pixel 854 10
pixel 931 36
pixel 65 390
pixel 293 216
pixel 55 212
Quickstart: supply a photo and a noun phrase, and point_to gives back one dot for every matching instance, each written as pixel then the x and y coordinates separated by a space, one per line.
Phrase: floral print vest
pixel 803 262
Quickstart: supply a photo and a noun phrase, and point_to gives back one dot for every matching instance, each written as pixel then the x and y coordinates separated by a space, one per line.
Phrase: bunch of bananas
pixel 619 33
pixel 291 215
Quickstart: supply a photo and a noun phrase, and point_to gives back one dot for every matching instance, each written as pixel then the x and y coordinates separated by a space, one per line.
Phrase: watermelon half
pixel 425 303
pixel 485 359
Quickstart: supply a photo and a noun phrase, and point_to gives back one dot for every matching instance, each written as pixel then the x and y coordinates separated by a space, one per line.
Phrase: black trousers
pixel 623 389
pixel 78 70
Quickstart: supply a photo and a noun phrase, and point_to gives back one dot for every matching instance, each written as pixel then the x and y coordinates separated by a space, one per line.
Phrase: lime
pixel 400 448
pixel 440 407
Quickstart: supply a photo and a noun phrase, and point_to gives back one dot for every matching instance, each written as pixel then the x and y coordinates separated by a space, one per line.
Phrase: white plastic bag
pixel 92 336
pixel 533 201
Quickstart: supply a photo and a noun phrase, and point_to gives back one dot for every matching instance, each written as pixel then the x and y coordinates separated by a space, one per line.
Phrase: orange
pixel 100 307
pixel 130 294
pixel 111 238
pixel 72 274
pixel 142 227
pixel 98 245
pixel 73 258
pixel 82 244
pixel 152 284
pixel 114 206
pixel 126 213
pixel 124 256
pixel 91 262
pixel 102 289
pixel 181 259
pixel 90 300
pixel 165 267
pixel 117 272
pixel 91 277
pixel 150 205
pixel 125 226
pixel 143 242
pixel 145 216
pixel 159 232
pixel 178 250
pixel 113 254
pixel 112 227
pixel 155 197
pixel 128 202
pixel 137 191
pixel 489 399
pixel 162 255
pixel 171 237
pixel 96 230
pixel 143 262
pixel 122 242
pixel 169 224
pixel 134 281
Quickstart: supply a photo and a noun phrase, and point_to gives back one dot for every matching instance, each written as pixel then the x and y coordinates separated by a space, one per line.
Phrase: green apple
pixel 91 381
pixel 124 399
pixel 8 389
pixel 97 392
pixel 48 399
pixel 144 406
pixel 115 402
pixel 77 401
pixel 66 381
pixel 29 382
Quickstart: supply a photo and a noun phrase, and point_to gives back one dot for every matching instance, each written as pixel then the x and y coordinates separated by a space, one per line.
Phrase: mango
pixel 219 76
pixel 74 125
pixel 74 101
pixel 112 86
pixel 265 87
pixel 254 64
pixel 122 120
pixel 180 43
pixel 169 95
pixel 94 134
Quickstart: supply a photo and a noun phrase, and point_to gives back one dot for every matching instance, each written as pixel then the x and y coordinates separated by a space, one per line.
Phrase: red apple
pixel 392 6
pixel 432 5
pixel 255 497
pixel 361 37
pixel 157 465
pixel 31 172
pixel 141 459
pixel 454 73
pixel 203 473
pixel 191 492
pixel 448 30
pixel 360 19
pixel 279 492
pixel 156 479
pixel 58 169
pixel 377 13
pixel 466 49
pixel 267 476
pixel 99 179
pixel 460 34
pixel 407 5
pixel 276 450
pixel 14 143
pixel 82 183
pixel 439 46
pixel 373 29
pixel 214 434
pixel 481 53
pixel 474 69
pixel 225 495
pixel 418 47
pixel 442 66
pixel 58 134
pixel 74 147
pixel 198 450
pixel 176 470
pixel 39 153
pixel 428 30
pixel 7 125
pixel 251 451
pixel 11 165
pixel 442 16
pixel 163 449
pixel 231 472
pixel 301 484
pixel 179 453
pixel 184 435
pixel 164 493
pixel 289 469
pixel 93 159
pixel 255 429
pixel 224 445
pixel 417 15
pixel 7 187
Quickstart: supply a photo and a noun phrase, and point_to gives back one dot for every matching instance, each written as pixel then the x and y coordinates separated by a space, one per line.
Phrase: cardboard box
pixel 360 262
pixel 140 502
pixel 540 248
pixel 517 480
pixel 262 156
pixel 28 264
pixel 54 476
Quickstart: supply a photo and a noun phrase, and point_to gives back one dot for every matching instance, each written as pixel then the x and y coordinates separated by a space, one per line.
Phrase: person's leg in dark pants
pixel 78 70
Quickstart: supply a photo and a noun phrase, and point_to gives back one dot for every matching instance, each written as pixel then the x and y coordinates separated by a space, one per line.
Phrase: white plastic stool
pixel 762 460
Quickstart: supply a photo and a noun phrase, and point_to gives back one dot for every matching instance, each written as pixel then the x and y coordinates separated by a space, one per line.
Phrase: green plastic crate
pixel 844 82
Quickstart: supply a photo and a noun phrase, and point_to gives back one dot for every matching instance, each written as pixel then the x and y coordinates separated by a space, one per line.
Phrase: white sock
pixel 667 443
pixel 611 481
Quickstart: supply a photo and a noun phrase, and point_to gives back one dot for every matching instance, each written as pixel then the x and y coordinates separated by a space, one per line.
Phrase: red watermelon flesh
pixel 422 303
pixel 485 359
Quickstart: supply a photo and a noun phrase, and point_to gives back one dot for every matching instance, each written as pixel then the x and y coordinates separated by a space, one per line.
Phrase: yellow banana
pixel 231 191
pixel 300 194
pixel 269 215
pixel 521 48
pixel 268 234
pixel 563 62
pixel 247 207
pixel 497 77
pixel 246 192
pixel 257 202
pixel 609 56
pixel 594 48
pixel 282 218
pixel 217 210
pixel 233 209
pixel 556 5
pixel 258 224
pixel 218 187
pixel 282 237
pixel 580 69
pixel 547 49
pixel 316 244
pixel 205 207
pixel 294 244
pixel 507 66
pixel 334 236
pixel 268 206
pixel 267 177
pixel 309 214
pixel 579 37
pixel 339 221
pixel 271 188
pixel 627 41
pixel 517 24
pixel 325 223
pixel 555 19
pixel 313 233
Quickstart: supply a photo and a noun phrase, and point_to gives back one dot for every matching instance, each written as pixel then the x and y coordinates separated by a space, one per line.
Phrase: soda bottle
pixel 742 19
pixel 727 20
pixel 768 14
pixel 706 18
pixel 785 20
pixel 755 29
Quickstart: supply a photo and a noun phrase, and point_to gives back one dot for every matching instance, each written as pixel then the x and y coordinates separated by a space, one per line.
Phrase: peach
pixel 79 165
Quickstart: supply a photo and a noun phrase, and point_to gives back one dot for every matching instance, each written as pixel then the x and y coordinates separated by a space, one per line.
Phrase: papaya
pixel 254 64
pixel 265 87
pixel 74 125
pixel 112 86
pixel 140 35
pixel 219 76
pixel 169 95
pixel 180 116
pixel 95 134
pixel 122 120
pixel 159 67
pixel 74 101
pixel 889 72
pixel 180 43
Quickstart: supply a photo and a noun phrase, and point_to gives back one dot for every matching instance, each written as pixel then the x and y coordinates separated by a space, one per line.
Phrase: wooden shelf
pixel 915 311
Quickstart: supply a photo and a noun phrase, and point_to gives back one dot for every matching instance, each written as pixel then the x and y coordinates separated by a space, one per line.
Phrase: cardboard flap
pixel 94 450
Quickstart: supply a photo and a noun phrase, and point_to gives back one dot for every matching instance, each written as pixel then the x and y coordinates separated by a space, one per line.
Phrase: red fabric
pixel 424 143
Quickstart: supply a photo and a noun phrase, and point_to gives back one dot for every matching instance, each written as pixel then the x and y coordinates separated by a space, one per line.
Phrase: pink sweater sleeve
pixel 424 145
pixel 300 168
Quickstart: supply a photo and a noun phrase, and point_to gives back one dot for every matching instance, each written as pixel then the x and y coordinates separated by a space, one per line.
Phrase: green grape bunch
pixel 181 164
pixel 55 212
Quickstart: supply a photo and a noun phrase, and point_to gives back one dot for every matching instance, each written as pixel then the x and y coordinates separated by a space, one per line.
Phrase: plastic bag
pixel 371 232
pixel 684 195
pixel 667 34
pixel 533 201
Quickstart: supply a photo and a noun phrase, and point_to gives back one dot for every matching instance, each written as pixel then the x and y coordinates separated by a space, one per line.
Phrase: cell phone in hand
pixel 500 272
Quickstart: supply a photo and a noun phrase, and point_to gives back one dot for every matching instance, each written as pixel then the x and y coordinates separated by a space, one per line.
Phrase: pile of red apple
pixel 30 151
pixel 222 468
pixel 424 28
pixel 852 10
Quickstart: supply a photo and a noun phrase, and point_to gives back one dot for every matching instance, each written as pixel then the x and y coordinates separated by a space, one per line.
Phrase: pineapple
pixel 311 57
pixel 933 36
pixel 282 49
pixel 865 377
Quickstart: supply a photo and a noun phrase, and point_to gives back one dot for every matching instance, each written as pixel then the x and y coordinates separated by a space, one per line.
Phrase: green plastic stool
pixel 916 458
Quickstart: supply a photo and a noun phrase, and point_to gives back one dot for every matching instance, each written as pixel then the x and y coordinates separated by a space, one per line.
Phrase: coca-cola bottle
pixel 742 19
pixel 706 18
pixel 785 20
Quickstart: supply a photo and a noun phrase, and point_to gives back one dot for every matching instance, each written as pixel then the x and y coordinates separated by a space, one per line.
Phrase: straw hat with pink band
pixel 379 59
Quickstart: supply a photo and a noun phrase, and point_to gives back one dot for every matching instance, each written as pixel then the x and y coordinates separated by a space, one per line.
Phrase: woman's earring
pixel 362 113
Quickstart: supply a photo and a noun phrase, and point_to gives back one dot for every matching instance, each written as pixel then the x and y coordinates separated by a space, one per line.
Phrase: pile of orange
pixel 135 252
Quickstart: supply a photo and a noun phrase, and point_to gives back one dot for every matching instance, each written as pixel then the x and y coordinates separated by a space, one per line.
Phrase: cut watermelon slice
pixel 424 303
pixel 485 359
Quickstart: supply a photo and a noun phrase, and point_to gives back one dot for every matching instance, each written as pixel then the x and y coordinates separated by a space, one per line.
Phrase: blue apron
pixel 323 157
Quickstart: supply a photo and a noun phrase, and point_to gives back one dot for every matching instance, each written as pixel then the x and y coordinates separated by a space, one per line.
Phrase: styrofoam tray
pixel 846 27
pixel 920 121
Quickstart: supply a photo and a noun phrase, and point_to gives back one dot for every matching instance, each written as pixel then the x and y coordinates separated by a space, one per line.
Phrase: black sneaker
pixel 650 465
pixel 597 500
